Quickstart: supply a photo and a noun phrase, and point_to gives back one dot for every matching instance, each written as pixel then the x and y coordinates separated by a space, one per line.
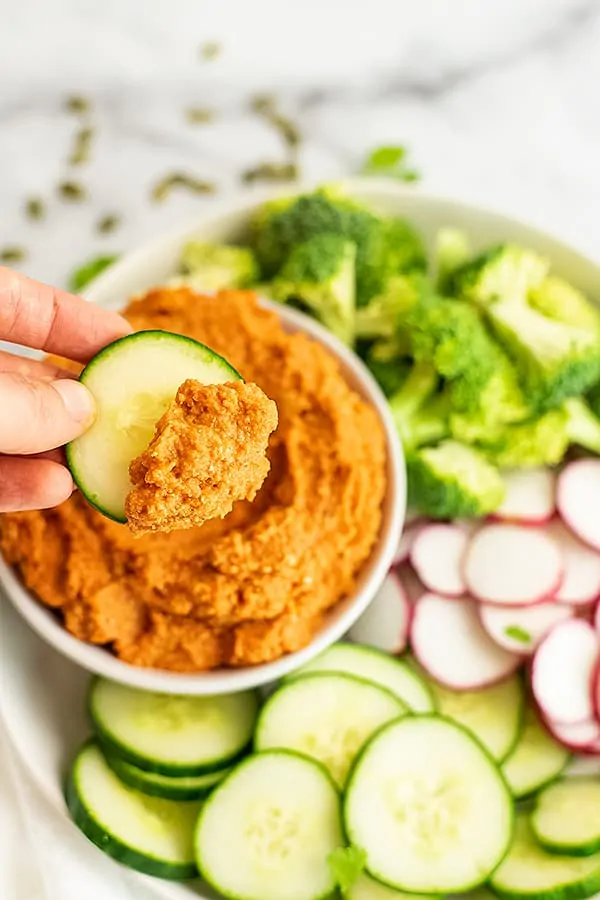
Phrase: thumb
pixel 40 415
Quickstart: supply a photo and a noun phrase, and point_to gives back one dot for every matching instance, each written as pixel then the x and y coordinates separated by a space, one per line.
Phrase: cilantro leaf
pixel 346 864
pixel 517 634
pixel 390 161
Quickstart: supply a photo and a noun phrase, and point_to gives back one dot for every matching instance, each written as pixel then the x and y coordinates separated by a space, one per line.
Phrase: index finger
pixel 45 318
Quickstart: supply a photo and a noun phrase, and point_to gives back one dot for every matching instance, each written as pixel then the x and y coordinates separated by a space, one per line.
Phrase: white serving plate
pixel 41 692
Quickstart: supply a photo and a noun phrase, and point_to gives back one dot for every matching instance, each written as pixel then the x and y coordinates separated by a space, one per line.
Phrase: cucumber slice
pixel 172 735
pixel 192 787
pixel 536 760
pixel 493 714
pixel 376 666
pixel 267 831
pixel 428 806
pixel 566 818
pixel 529 871
pixel 326 716
pixel 133 380
pixel 366 888
pixel 151 835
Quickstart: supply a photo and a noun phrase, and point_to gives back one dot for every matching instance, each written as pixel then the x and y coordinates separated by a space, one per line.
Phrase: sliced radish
pixel 578 499
pixel 450 643
pixel 437 555
pixel 385 622
pixel 407 539
pixel 512 565
pixel 469 526
pixel 529 497
pixel 580 736
pixel 411 583
pixel 581 581
pixel 521 628
pixel 562 672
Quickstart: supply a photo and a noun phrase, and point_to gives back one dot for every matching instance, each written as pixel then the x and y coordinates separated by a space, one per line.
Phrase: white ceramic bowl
pixel 151 266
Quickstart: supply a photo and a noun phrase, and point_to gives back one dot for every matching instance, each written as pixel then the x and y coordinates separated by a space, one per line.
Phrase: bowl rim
pixel 100 661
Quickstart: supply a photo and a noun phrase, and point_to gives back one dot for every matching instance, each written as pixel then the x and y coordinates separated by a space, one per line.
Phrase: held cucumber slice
pixel 151 835
pixel 528 872
pixel 566 818
pixel 172 735
pixel 192 787
pixel 267 831
pixel 327 716
pixel 536 760
pixel 133 380
pixel 428 806
pixel 376 666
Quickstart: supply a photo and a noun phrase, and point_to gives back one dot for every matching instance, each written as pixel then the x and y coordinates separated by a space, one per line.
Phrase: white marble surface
pixel 499 101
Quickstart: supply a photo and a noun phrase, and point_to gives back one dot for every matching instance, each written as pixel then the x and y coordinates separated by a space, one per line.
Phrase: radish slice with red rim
pixel 563 669
pixel 581 581
pixel 530 497
pixel 579 736
pixel 512 565
pixel 407 539
pixel 521 628
pixel 450 643
pixel 437 555
pixel 578 499
pixel 385 622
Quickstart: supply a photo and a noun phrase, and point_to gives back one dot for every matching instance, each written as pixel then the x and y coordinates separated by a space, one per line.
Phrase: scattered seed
pixel 108 224
pixel 273 172
pixel 35 208
pixel 72 191
pixel 198 115
pixel 12 254
pixel 77 105
pixel 210 50
pixel 163 188
pixel 265 105
pixel 82 147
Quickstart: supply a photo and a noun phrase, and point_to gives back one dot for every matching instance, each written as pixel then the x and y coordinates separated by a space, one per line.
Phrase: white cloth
pixel 43 857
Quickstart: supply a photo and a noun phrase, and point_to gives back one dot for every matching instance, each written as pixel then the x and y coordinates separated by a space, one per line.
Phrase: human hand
pixel 42 406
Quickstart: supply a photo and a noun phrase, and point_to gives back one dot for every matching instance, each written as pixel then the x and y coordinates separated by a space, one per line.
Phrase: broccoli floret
pixel 582 424
pixel 593 399
pixel 452 251
pixel 559 300
pixel 500 403
pixel 420 414
pixel 396 249
pixel 384 247
pixel 505 272
pixel 212 267
pixel 388 362
pixel 555 360
pixel 320 273
pixel 382 315
pixel 542 441
pixel 453 480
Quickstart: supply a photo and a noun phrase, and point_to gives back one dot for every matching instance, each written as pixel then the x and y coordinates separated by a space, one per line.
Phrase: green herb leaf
pixel 72 191
pixel 346 864
pixel 82 147
pixel 272 172
pixel 163 188
pixel 90 270
pixel 391 162
pixel 35 208
pixel 198 115
pixel 210 50
pixel 517 634
pixel 12 254
pixel 77 105
pixel 108 224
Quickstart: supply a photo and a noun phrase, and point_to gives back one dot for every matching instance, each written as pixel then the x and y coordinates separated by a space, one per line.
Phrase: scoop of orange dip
pixel 208 451
pixel 256 584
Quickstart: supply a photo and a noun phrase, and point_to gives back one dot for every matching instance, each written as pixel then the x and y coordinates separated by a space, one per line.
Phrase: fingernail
pixel 78 401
